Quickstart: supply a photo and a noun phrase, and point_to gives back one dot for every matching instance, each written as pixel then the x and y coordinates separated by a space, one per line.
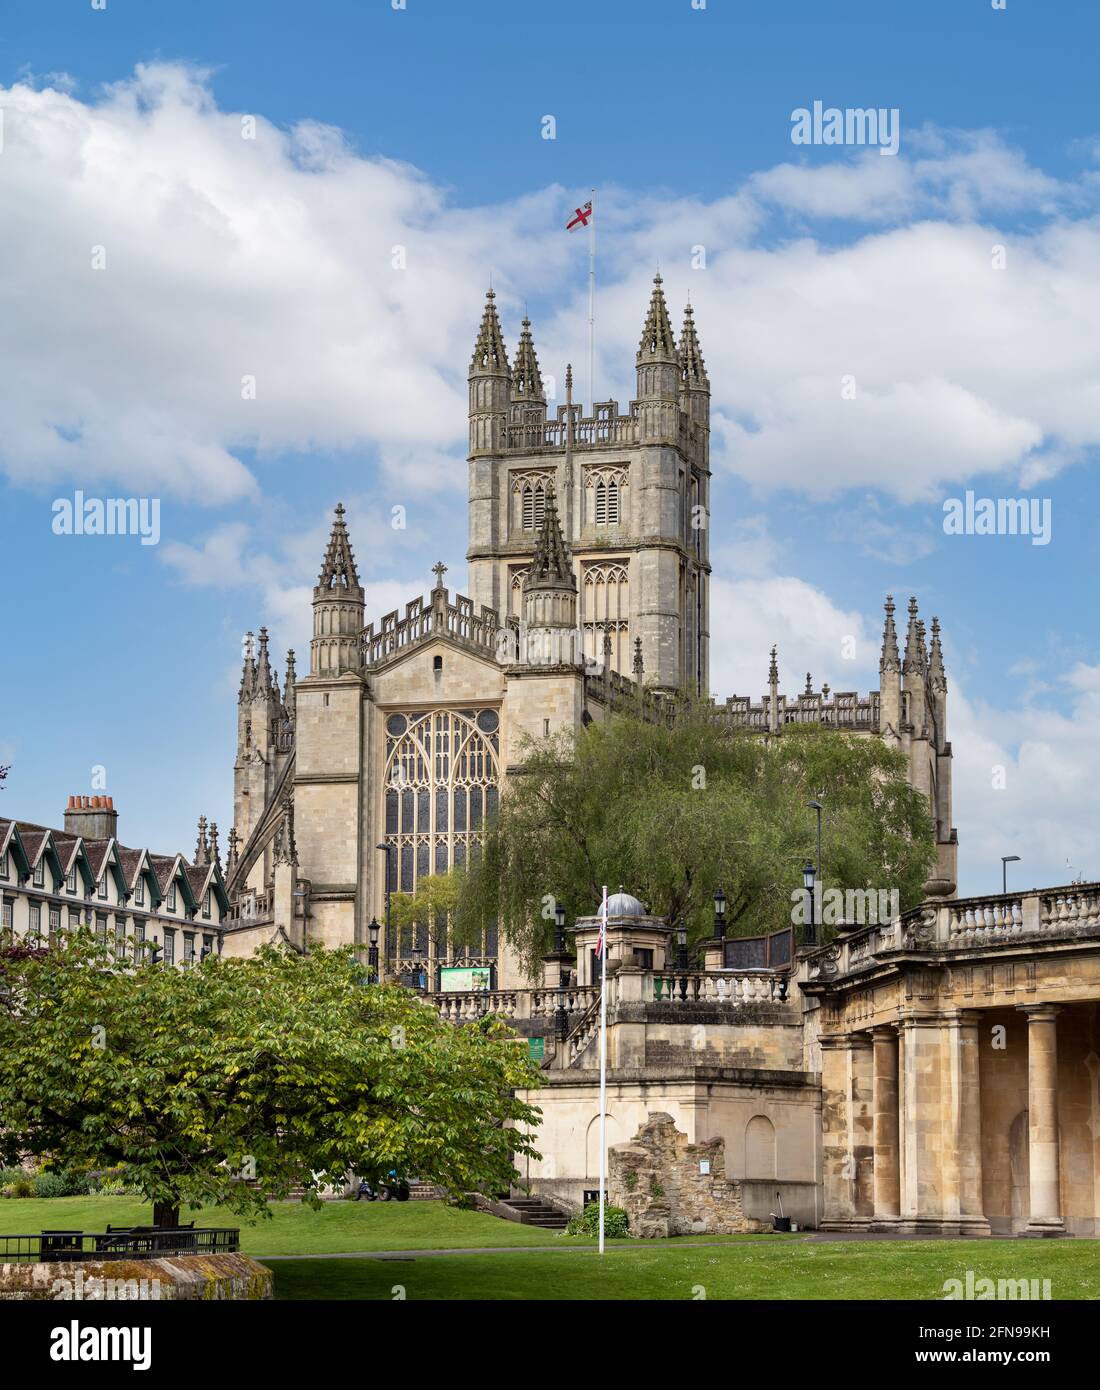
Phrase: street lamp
pixel 387 850
pixel 561 1018
pixel 720 915
pixel 414 955
pixel 681 947
pixel 372 950
pixel 1007 859
pixel 816 805
pixel 809 873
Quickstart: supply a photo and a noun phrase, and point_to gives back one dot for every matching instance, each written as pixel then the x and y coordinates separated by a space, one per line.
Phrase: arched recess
pixel 592 1142
pixel 760 1148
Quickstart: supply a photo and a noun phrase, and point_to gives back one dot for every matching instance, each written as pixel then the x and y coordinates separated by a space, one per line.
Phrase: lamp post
pixel 809 873
pixel 414 956
pixel 1006 860
pixel 816 806
pixel 387 850
pixel 372 950
pixel 561 1018
pixel 681 947
pixel 720 915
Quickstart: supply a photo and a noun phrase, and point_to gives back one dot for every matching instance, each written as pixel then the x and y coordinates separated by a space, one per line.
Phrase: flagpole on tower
pixel 592 306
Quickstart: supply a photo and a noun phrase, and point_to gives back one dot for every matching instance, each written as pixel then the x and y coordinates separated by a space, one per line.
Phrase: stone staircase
pixel 532 1211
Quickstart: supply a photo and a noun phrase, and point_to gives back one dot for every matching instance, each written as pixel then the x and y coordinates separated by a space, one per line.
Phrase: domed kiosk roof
pixel 624 905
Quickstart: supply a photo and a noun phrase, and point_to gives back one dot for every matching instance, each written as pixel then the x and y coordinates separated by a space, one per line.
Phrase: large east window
pixel 442 781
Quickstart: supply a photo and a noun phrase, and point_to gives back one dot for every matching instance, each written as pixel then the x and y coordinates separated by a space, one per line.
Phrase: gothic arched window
pixel 529 499
pixel 441 786
pixel 604 487
pixel 605 612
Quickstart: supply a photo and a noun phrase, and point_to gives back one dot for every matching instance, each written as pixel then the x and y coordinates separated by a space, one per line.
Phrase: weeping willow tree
pixel 674 811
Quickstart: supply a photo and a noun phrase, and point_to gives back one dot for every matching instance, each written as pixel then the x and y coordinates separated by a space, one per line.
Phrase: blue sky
pixel 272 257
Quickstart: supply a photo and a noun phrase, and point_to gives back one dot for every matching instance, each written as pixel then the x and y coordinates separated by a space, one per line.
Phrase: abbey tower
pixel 633 495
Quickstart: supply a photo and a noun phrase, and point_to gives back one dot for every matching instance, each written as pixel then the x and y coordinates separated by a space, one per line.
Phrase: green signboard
pixel 536 1049
pixel 460 979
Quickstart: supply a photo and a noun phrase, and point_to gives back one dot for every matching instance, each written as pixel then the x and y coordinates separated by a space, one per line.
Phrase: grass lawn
pixel 295 1229
pixel 760 1268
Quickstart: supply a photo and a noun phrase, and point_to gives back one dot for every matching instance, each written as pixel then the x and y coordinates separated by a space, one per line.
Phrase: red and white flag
pixel 581 217
pixel 601 941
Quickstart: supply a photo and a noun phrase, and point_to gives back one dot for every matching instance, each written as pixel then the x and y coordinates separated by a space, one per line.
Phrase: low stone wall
pixel 174 1278
pixel 670 1187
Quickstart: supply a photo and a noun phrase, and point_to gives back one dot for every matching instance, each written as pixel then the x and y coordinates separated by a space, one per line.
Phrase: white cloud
pixel 229 258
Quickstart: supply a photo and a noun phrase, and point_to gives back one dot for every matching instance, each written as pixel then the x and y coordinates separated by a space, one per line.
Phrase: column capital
pixel 927 1018
pixel 887 1031
pixel 1040 1012
pixel 968 1018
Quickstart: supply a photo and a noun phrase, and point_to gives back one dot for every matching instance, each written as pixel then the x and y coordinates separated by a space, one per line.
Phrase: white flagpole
pixel 592 306
pixel 603 1062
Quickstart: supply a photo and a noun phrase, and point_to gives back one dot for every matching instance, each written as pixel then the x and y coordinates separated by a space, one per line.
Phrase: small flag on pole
pixel 601 941
pixel 581 217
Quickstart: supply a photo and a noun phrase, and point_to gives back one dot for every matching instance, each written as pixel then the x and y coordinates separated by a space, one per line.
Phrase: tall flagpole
pixel 592 307
pixel 603 1061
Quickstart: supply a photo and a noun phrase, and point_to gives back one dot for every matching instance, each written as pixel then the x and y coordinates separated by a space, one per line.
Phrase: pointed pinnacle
pixel 490 354
pixel 657 337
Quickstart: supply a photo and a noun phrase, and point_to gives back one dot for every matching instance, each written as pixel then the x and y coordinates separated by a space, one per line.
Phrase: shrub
pixel 587 1223
pixel 20 1187
pixel 60 1185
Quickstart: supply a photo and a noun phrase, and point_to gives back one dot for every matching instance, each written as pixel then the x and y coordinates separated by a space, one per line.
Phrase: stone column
pixel 1042 1108
pixel 962 1120
pixel 845 1118
pixel 887 1170
pixel 922 1190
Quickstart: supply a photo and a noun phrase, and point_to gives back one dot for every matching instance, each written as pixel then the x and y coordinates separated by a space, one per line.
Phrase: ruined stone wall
pixel 669 1186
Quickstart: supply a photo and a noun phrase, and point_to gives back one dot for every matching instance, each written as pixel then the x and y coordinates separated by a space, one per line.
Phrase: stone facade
pixel 180 1278
pixel 589 577
pixel 669 1186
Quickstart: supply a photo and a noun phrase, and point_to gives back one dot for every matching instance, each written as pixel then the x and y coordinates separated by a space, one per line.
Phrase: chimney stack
pixel 92 817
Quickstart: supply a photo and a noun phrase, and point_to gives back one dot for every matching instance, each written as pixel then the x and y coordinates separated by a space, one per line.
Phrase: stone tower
pixel 631 492
pixel 337 607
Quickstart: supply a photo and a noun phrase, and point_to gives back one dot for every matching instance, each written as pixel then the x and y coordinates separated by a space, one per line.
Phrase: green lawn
pixel 761 1268
pixel 295 1229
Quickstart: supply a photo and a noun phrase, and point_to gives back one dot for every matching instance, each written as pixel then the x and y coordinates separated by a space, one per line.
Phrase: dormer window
pixel 70 881
pixel 206 904
pixel 103 885
pixel 5 866
pixel 139 891
pixel 40 873
pixel 171 897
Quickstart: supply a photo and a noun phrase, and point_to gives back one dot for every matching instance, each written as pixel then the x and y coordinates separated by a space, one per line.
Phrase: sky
pixel 203 305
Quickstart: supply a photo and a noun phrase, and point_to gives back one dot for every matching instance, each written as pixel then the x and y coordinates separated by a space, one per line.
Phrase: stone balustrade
pixel 999 919
pixel 511 1004
pixel 714 987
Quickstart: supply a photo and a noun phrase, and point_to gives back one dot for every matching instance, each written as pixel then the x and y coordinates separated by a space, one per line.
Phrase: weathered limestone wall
pixel 670 1186
pixel 171 1279
pixel 768 1121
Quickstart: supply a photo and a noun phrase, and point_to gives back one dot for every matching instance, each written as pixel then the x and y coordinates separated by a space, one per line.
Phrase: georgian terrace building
pixel 54 880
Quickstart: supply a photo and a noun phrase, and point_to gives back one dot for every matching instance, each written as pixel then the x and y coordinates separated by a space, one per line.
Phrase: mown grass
pixel 761 1268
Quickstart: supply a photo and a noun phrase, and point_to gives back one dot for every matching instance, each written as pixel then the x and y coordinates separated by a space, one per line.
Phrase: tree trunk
pixel 166 1215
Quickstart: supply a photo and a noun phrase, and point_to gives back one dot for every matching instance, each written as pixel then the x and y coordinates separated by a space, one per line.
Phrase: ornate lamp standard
pixel 809 873
pixel 561 1018
pixel 720 915
pixel 387 850
pixel 372 950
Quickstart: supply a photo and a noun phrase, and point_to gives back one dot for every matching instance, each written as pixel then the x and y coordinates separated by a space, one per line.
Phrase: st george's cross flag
pixel 581 217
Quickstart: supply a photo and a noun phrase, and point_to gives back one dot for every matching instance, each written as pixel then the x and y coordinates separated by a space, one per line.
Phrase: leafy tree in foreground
pixel 673 811
pixel 281 1067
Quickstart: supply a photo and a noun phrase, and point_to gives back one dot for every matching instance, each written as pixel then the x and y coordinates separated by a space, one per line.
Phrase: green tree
pixel 675 810
pixel 286 1068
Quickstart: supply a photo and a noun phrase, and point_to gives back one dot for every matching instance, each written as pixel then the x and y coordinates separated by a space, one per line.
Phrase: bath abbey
pixel 937 1072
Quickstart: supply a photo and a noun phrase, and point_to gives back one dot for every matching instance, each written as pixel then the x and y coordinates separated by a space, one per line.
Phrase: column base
pixel 1043 1228
pixel 847 1224
pixel 950 1227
